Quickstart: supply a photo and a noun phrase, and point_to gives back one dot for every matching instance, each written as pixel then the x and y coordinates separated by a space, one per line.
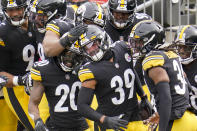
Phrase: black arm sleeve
pixel 84 100
pixel 165 104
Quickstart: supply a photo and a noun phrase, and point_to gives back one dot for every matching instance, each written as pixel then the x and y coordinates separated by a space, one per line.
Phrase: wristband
pixel 15 80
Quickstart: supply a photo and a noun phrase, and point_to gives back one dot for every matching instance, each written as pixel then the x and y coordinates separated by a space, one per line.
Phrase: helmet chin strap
pixel 98 56
pixel 187 60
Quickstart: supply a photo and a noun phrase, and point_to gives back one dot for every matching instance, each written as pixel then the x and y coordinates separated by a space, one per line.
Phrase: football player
pixel 121 18
pixel 17 54
pixel 165 78
pixel 186 41
pixel 41 13
pixel 57 78
pixel 111 78
pixel 90 13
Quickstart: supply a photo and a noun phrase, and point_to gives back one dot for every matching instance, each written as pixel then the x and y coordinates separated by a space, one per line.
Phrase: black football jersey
pixel 59 26
pixel 114 90
pixel 61 91
pixel 122 34
pixel 178 86
pixel 17 48
pixel 191 72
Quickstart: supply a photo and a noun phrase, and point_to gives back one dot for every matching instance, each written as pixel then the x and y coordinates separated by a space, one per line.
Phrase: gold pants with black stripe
pixel 132 126
pixel 188 122
pixel 17 101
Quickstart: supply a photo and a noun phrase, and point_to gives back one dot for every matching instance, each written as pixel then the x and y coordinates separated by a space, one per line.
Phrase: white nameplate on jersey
pixel 127 57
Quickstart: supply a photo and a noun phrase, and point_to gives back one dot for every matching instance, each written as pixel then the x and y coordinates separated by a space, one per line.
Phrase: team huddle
pixel 83 66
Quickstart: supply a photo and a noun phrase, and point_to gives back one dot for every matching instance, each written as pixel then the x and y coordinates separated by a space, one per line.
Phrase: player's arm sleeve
pixel 85 75
pixel 84 100
pixel 165 104
pixel 155 60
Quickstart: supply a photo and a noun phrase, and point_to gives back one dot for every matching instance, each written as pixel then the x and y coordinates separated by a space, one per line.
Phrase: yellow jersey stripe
pixel 53 31
pixel 36 77
pixel 182 31
pixel 152 62
pixel 171 54
pixel 2 43
pixel 52 25
pixel 85 74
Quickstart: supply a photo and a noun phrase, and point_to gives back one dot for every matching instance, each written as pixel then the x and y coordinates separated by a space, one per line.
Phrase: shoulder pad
pixel 59 26
pixel 153 59
pixel 85 74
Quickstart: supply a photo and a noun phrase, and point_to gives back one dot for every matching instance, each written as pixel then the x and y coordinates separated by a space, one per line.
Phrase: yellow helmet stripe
pixel 74 7
pixel 11 2
pixel 34 3
pixel 182 31
pixel 100 11
pixel 122 3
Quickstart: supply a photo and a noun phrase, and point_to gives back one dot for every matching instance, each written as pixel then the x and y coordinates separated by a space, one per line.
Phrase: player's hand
pixel 152 121
pixel 39 125
pixel 73 35
pixel 3 81
pixel 115 123
pixel 146 107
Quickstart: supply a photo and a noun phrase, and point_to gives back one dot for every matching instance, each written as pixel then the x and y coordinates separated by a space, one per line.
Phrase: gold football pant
pixel 17 101
pixel 188 122
pixel 94 105
pixel 8 121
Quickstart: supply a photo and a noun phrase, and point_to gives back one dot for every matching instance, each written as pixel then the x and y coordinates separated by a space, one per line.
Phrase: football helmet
pixel 94 42
pixel 43 11
pixel 9 5
pixel 70 58
pixel 146 35
pixel 90 13
pixel 120 12
pixel 186 43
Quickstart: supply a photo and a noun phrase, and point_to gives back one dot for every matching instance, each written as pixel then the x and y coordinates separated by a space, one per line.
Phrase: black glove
pixel 39 125
pixel 26 81
pixel 145 107
pixel 115 123
pixel 73 35
pixel 3 81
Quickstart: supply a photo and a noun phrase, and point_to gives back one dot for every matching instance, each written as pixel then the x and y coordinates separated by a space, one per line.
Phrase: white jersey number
pixel 28 55
pixel 180 77
pixel 66 93
pixel 117 81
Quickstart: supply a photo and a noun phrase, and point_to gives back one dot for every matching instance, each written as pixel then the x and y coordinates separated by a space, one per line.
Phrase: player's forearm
pixel 10 77
pixel 33 111
pixel 84 100
pixel 165 103
pixel 52 46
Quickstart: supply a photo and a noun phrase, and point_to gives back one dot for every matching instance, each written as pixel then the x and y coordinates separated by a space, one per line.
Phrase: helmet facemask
pixel 69 59
pixel 187 52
